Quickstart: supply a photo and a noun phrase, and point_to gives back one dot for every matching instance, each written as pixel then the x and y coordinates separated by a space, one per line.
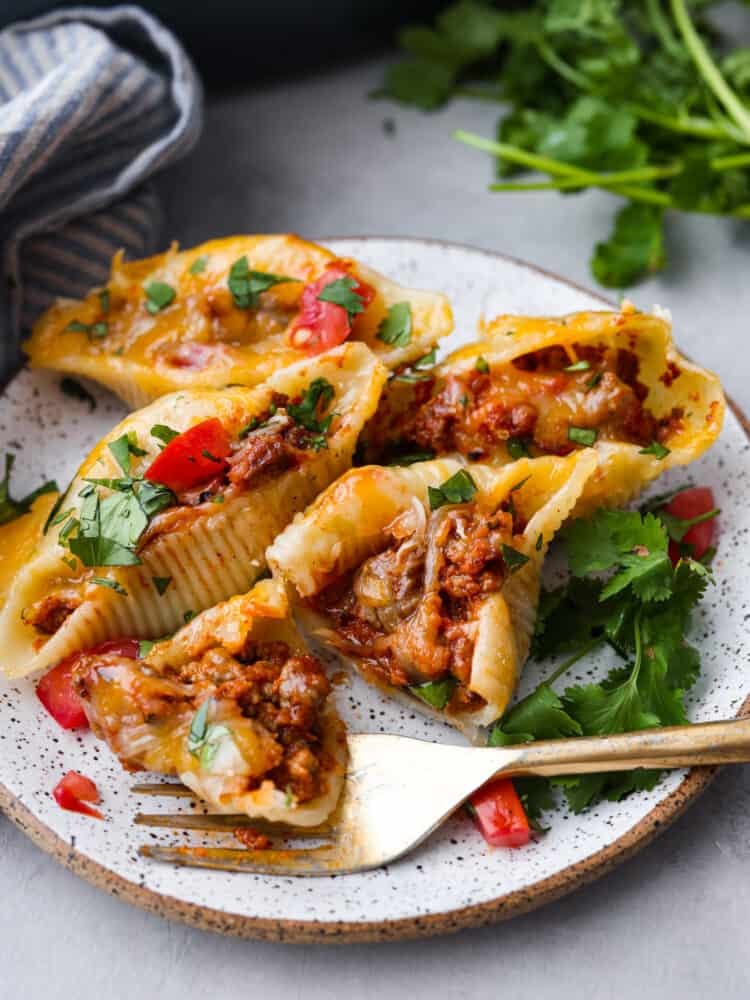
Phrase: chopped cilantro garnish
pixel 435 693
pixel 594 381
pixel 164 433
pixel 159 295
pixel 94 331
pixel 518 448
pixel 212 458
pixel 246 286
pixel 123 448
pixel 641 608
pixel 341 292
pixel 71 387
pixel 460 488
pixel 188 616
pixel 204 737
pixel 145 646
pixel 102 581
pixel 161 583
pixel 308 412
pixel 104 300
pixel 199 264
pixel 582 435
pixel 412 457
pixel 579 366
pixel 395 329
pixel 426 361
pixel 482 365
pixel 512 558
pixel 539 542
pixel 656 449
pixel 10 509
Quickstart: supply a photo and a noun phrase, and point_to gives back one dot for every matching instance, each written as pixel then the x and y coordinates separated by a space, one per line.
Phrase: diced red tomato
pixel 499 814
pixel 193 457
pixel 687 505
pixel 193 354
pixel 323 325
pixel 73 792
pixel 55 689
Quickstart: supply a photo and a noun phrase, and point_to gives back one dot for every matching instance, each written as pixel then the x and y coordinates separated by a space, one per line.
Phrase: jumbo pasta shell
pixel 667 383
pixel 147 710
pixel 201 338
pixel 349 523
pixel 210 553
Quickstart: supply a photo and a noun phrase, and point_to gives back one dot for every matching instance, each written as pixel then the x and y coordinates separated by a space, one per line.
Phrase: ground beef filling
pixel 410 611
pixel 535 400
pixel 51 612
pixel 284 693
pixel 275 445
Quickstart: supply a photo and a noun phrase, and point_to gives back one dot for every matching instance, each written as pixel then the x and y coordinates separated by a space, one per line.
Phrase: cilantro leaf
pixel 308 412
pixel 518 448
pixel 435 693
pixel 10 509
pixel 341 292
pixel 199 264
pixel 102 581
pixel 164 433
pixel 460 488
pixel 656 449
pixel 583 435
pixel 634 249
pixel 513 559
pixel 396 328
pixel 159 295
pixel 247 286
pixel 538 716
pixel 161 583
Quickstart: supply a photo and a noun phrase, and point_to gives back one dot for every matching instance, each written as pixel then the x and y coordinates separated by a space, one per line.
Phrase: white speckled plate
pixel 454 880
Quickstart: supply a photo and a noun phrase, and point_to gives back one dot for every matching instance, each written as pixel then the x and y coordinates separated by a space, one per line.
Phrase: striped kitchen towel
pixel 92 103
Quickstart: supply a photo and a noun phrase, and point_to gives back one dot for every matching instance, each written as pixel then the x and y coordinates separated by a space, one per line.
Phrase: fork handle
pixel 675 746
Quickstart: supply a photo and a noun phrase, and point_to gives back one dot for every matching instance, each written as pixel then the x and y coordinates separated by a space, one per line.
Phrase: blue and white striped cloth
pixel 92 103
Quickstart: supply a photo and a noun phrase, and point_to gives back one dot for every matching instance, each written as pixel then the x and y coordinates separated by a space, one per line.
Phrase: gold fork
pixel 398 790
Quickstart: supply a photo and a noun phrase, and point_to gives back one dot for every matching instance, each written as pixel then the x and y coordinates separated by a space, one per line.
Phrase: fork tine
pixel 171 788
pixel 228 822
pixel 314 861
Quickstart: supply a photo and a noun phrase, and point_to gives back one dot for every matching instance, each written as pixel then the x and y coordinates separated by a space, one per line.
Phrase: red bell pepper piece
pixel 55 689
pixel 73 792
pixel 322 325
pixel 687 505
pixel 499 814
pixel 193 457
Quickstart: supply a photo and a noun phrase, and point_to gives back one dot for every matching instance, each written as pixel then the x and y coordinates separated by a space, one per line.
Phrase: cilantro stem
pixel 730 162
pixel 709 70
pixel 614 178
pixel 663 30
pixel 514 154
pixel 586 648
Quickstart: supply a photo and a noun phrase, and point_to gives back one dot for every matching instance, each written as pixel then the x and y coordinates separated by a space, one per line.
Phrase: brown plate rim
pixel 350 932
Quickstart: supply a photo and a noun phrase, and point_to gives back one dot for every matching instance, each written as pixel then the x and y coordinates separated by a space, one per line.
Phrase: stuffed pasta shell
pixel 231 311
pixel 427 577
pixel 173 510
pixel 532 386
pixel 233 704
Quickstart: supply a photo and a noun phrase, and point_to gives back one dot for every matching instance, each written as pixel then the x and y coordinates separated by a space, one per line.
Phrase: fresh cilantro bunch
pixel 625 592
pixel 641 98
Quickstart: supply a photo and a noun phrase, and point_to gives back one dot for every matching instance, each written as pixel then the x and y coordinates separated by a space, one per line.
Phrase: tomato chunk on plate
pixel 499 814
pixel 74 791
pixel 193 457
pixel 55 689
pixel 696 502
pixel 323 325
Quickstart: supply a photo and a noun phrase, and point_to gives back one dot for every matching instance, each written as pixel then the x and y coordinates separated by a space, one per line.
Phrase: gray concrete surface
pixel 313 156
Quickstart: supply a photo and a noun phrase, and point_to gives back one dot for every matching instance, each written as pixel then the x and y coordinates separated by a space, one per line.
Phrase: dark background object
pixel 232 42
